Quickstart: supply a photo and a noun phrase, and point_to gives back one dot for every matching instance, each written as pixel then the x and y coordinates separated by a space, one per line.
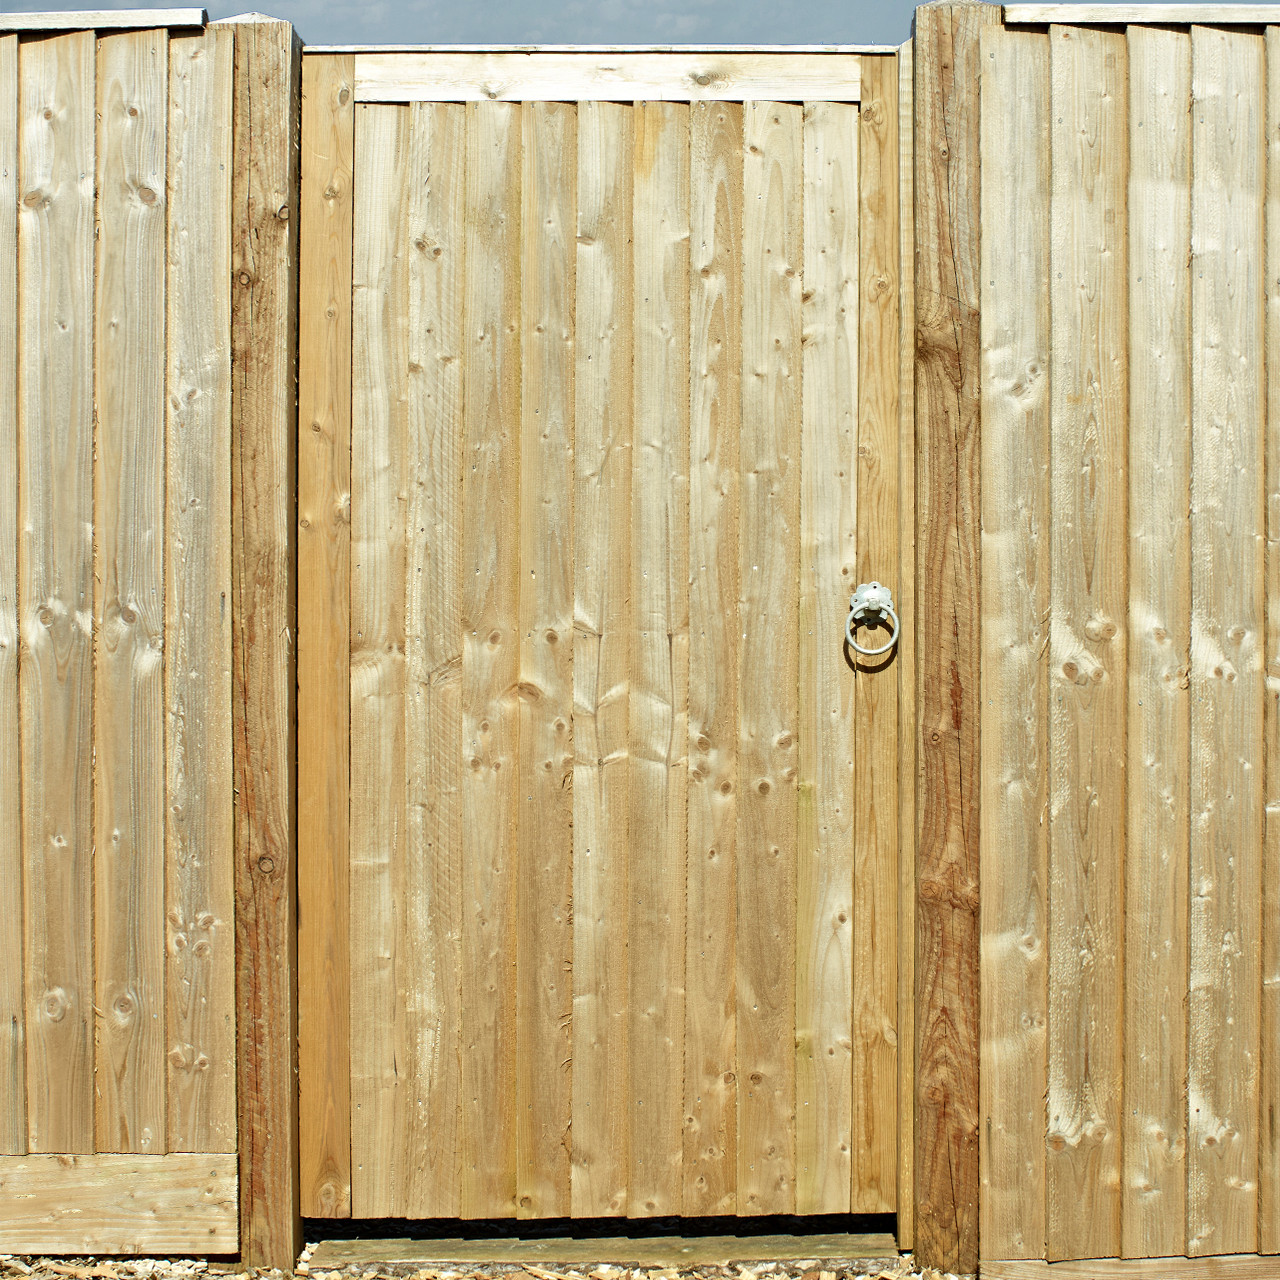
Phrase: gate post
pixel 947 575
pixel 264 315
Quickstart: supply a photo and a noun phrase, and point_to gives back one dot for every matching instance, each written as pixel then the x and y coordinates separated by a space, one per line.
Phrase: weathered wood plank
pixel 1159 710
pixel 715 372
pixel 631 1251
pixel 264 266
pixel 55 573
pixel 828 561
pixel 1227 618
pixel 381 983
pixel 602 582
pixel 875 850
pixel 621 75
pixel 1120 15
pixel 906 599
pixel 118 1204
pixel 13 1069
pixel 129 615
pixel 1241 1266
pixel 324 633
pixel 490 656
pixel 659 656
pixel 948 571
pixel 101 19
pixel 1269 1064
pixel 429 933
pixel 200 857
pixel 1015 607
pixel 768 614
pixel 1088 378
pixel 544 814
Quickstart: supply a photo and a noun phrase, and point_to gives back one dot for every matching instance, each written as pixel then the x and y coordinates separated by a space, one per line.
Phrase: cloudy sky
pixel 565 21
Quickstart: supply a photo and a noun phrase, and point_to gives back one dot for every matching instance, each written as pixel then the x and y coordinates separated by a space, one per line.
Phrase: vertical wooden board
pixel 544 822
pixel 1088 387
pixel 875 861
pixel 1227 679
pixel 490 655
pixel 128 719
pixel 429 930
pixel 324 636
pixel 380 320
pixel 768 671
pixel 603 408
pixel 1015 607
pixel 1156 872
pixel 199 858
pixel 1269 1063
pixel 906 650
pixel 946 194
pixel 13 1073
pixel 55 573
pixel 828 561
pixel 715 389
pixel 266 113
pixel 659 656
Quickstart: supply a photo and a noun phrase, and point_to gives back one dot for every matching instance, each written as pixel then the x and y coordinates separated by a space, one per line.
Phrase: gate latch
pixel 871 603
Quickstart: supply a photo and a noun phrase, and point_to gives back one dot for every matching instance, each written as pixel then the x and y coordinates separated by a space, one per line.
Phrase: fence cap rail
pixel 1123 15
pixel 328 49
pixel 102 19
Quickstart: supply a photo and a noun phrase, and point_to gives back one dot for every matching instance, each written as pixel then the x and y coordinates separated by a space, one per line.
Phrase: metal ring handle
pixel 872 653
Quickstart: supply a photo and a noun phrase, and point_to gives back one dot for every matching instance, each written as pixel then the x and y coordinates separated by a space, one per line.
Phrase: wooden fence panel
pixel 1159 732
pixel 117 970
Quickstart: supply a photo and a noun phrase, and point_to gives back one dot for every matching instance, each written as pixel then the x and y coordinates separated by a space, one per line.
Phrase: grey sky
pixel 565 21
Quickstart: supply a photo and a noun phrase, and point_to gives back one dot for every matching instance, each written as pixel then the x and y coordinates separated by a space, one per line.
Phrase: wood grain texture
pixel 264 265
pixel 200 857
pixel 1243 1266
pixel 1088 383
pixel 381 981
pixel 1269 1057
pixel 429 935
pixel 101 19
pixel 603 412
pixel 13 1067
pixel 324 644
pixel 825 1061
pixel 55 572
pixel 768 614
pixel 1227 618
pixel 1015 606
pixel 1159 710
pixel 129 614
pixel 544 814
pixel 659 656
pixel 906 598
pixel 118 1204
pixel 865 1252
pixel 1120 15
pixel 490 656
pixel 875 854
pixel 715 372
pixel 678 75
pixel 946 57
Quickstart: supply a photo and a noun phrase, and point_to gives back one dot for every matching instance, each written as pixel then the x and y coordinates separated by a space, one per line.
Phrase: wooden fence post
pixel 947 576
pixel 264 316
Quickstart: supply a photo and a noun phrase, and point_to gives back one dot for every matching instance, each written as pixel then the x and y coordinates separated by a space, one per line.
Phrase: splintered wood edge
pixel 867 1252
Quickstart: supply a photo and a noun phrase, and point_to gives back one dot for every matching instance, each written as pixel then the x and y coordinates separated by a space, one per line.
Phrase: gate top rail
pixel 102 19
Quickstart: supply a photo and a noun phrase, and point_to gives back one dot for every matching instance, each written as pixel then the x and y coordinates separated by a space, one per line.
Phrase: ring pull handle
pixel 871 602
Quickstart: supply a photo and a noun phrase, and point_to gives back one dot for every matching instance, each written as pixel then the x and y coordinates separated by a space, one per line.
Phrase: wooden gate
pixel 607 921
